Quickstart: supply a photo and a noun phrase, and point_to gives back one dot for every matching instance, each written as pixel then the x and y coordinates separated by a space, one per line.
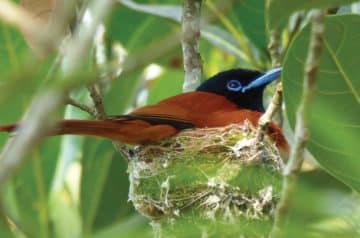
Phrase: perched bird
pixel 231 96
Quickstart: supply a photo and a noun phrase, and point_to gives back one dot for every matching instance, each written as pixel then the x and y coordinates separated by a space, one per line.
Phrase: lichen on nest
pixel 212 173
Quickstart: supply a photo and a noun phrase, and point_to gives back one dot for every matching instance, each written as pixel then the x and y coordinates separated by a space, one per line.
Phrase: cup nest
pixel 210 173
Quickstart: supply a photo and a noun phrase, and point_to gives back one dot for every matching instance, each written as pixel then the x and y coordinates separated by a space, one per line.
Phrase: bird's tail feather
pixel 105 129
pixel 121 129
pixel 77 127
pixel 9 128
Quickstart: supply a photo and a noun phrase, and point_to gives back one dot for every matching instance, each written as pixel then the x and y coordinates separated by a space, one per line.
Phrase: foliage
pixel 78 187
pixel 336 104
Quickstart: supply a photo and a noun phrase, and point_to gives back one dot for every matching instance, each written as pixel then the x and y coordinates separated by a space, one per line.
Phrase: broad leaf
pixel 335 111
pixel 278 11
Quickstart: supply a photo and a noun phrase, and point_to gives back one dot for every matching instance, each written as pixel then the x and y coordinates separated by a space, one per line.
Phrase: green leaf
pixel 104 186
pixel 12 49
pixel 216 35
pixel 332 211
pixel 250 15
pixel 169 84
pixel 278 11
pixel 31 188
pixel 122 92
pixel 16 90
pixel 143 31
pixel 95 166
pixel 335 111
pixel 134 226
pixel 114 205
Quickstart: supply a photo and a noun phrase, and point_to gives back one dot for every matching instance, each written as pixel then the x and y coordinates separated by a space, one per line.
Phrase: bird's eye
pixel 234 85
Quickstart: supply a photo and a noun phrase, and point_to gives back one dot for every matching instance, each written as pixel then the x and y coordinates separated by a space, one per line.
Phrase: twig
pixel 101 114
pixel 97 100
pixel 99 10
pixel 274 48
pixel 266 118
pixel 301 129
pixel 81 106
pixel 190 44
pixel 276 101
pixel 95 93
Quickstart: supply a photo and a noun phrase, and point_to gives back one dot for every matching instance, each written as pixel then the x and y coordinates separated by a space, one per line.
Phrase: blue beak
pixel 263 80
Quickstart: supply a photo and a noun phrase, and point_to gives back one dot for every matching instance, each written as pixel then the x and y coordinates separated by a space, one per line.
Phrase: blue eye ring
pixel 234 85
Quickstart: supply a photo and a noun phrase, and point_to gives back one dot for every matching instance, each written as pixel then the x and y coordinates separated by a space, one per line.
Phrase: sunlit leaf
pixel 335 111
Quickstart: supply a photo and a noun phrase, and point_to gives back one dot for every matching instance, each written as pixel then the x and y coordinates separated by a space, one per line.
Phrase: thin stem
pixel 276 101
pixel 96 96
pixel 266 118
pixel 81 106
pixel 190 44
pixel 274 48
pixel 101 114
pixel 301 129
pixel 97 100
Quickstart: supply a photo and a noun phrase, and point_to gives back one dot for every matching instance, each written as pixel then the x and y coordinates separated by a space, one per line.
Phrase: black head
pixel 243 87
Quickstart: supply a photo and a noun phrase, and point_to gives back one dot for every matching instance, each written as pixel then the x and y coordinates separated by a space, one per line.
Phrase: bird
pixel 229 97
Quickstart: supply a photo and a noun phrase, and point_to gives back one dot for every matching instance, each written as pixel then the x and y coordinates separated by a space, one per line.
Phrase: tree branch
pixel 190 44
pixel 301 129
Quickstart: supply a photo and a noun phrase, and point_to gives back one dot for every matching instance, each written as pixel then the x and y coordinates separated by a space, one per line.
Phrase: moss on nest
pixel 207 174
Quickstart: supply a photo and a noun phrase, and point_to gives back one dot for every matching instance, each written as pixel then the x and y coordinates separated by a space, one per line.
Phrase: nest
pixel 211 173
